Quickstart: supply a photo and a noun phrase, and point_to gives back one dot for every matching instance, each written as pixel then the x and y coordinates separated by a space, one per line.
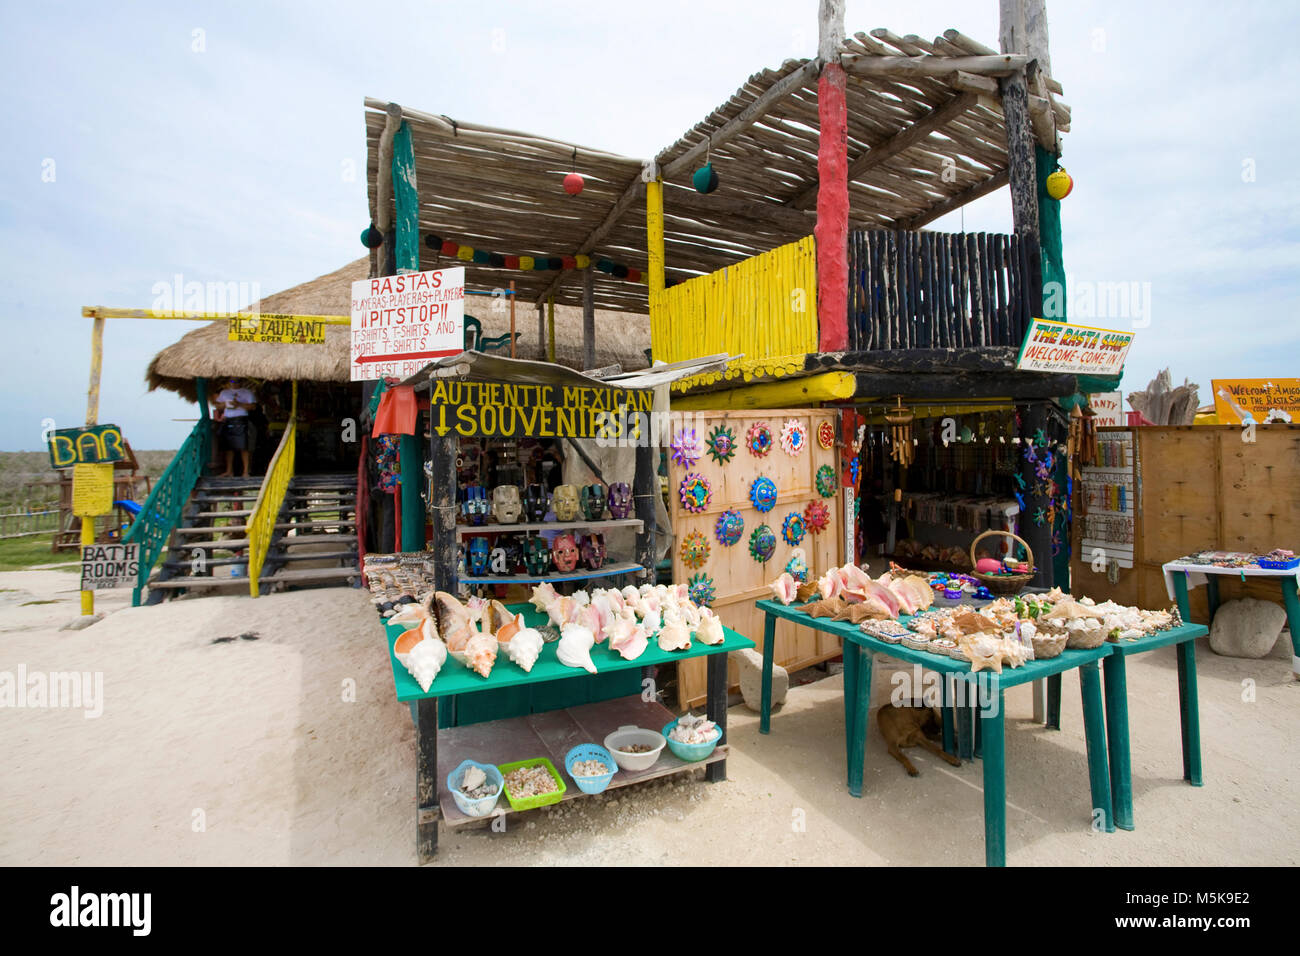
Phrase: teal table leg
pixel 862 707
pixel 1212 594
pixel 1291 599
pixel 965 723
pixel 1180 595
pixel 850 655
pixel 995 779
pixel 1190 712
pixel 1117 740
pixel 769 654
pixel 1094 725
pixel 949 742
pixel 979 735
pixel 1054 702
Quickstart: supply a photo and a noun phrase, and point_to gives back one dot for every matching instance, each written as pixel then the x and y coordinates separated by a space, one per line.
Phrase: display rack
pixel 472 530
pixel 1108 499
pixel 606 571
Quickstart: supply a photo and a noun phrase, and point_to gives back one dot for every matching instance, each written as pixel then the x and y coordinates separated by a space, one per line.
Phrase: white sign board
pixel 109 566
pixel 1107 408
pixel 402 323
pixel 1073 349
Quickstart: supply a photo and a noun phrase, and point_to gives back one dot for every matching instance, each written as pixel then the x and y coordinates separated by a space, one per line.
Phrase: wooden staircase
pixel 314 544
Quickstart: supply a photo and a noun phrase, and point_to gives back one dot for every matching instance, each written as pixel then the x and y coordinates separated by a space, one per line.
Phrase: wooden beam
pixel 588 321
pixel 935 119
pixel 1018 385
pixel 796 220
pixel 654 229
pixel 830 29
pixel 384 174
pixel 861 64
pixel 993 183
pixel 790 393
pixel 550 329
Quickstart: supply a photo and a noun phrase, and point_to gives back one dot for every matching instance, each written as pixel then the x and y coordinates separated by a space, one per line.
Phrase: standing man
pixel 234 403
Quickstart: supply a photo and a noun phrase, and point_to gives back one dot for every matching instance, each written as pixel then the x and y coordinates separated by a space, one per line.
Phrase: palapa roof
pixel 926 136
pixel 205 352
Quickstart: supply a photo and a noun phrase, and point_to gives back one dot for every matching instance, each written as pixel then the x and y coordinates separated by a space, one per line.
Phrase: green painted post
pixel 1094 728
pixel 1189 712
pixel 949 742
pixel 1291 598
pixel 201 394
pixel 850 695
pixel 407 250
pixel 965 724
pixel 861 708
pixel 769 652
pixel 1180 595
pixel 995 777
pixel 1117 739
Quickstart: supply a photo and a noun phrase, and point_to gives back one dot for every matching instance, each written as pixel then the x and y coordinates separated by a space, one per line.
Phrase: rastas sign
pixel 92 445
pixel 506 410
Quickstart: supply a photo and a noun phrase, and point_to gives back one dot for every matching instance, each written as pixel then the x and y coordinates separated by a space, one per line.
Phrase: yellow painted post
pixel 654 230
pixel 92 414
pixel 550 327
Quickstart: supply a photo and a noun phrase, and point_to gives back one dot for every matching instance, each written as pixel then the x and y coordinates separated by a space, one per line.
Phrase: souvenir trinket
pixel 762 544
pixel 620 499
pixel 694 550
pixel 759 439
pixel 475 505
pixel 593 501
pixel 700 589
pixel 564 502
pixel 536 503
pixel 729 527
pixel 479 552
pixel 506 504
pixel 797 566
pixel 792 529
pixel 564 552
pixel 685 448
pixel 826 481
pixel 695 492
pixel 816 517
pixel 793 437
pixel 762 494
pixel 826 435
pixel 593 551
pixel 722 444
pixel 537 556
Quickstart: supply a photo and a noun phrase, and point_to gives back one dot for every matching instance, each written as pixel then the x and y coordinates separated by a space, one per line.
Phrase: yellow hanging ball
pixel 1059 184
pixel 465 253
pixel 526 263
pixel 582 261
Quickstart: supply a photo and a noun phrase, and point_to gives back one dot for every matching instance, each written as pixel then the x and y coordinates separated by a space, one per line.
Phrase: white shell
pixel 574 649
pixel 674 637
pixel 710 629
pixel 424 660
pixel 525 647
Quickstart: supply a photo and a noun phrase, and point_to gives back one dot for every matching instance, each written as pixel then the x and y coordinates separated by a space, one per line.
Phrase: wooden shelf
pixel 609 570
pixel 464 530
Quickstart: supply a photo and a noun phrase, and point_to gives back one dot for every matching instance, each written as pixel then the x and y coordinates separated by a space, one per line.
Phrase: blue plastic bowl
pixel 690 752
pixel 590 752
pixel 483 805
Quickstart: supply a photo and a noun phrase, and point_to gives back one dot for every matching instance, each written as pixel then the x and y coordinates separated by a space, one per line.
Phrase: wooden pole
pixel 588 320
pixel 832 229
pixel 92 416
pixel 654 227
pixel 406 247
pixel 1021 163
pixel 512 318
pixel 541 331
pixel 550 328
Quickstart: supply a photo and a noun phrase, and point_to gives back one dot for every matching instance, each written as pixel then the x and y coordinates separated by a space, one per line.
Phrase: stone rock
pixel 749 665
pixel 1246 628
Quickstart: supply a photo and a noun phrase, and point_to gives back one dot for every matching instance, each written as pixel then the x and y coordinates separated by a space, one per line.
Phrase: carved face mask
pixel 564 502
pixel 593 502
pixel 537 556
pixel 593 551
pixel 565 553
pixel 536 503
pixel 506 504
pixel 479 551
pixel 513 552
pixel 620 499
pixel 476 504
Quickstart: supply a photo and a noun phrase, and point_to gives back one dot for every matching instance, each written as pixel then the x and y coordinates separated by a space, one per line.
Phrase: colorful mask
pixel 475 505
pixel 565 551
pixel 536 503
pixel 729 527
pixel 593 551
pixel 593 501
pixel 537 556
pixel 762 494
pixel 514 552
pixel 564 502
pixel 620 499
pixel 479 553
pixel 506 504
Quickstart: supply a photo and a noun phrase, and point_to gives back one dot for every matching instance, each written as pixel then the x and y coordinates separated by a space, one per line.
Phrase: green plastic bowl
pixel 543 800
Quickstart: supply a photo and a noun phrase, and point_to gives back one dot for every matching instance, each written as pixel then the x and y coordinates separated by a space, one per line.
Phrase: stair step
pixel 287 576
pixel 183 564
pixel 245 512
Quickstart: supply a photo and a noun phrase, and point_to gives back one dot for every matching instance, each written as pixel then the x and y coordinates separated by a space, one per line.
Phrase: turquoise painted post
pixel 1094 728
pixel 949 742
pixel 1189 712
pixel 1180 595
pixel 993 706
pixel 1117 739
pixel 407 246
pixel 965 725
pixel 850 696
pixel 769 652
pixel 1291 598
pixel 861 708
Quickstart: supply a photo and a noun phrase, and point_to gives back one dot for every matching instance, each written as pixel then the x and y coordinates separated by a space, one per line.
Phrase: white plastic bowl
pixel 629 735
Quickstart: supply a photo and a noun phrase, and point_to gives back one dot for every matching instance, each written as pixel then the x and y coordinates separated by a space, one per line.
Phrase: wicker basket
pixel 1002 583
pixel 1049 645
pixel 1086 640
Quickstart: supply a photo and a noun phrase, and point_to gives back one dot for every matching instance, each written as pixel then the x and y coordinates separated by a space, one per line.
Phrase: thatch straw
pixel 621 338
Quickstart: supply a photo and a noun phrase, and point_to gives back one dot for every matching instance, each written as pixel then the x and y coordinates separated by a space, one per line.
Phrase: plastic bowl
pixel 629 735
pixel 468 805
pixel 599 782
pixel 690 752
pixel 542 800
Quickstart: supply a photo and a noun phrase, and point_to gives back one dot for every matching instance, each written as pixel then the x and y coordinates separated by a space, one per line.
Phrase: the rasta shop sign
pixel 508 410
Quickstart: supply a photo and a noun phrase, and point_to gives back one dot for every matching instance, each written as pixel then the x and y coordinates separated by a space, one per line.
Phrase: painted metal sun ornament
pixel 722 444
pixel 759 440
pixel 695 550
pixel 816 517
pixel 695 492
pixel 793 437
pixel 685 448
pixel 826 435
pixel 762 544
pixel 792 528
pixel 700 589
pixel 762 494
pixel 826 481
pixel 729 527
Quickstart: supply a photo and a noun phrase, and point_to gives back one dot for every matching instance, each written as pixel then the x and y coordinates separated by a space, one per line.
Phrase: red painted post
pixel 832 229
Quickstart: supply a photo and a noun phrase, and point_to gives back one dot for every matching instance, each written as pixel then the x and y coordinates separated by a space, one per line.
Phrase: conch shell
pixel 524 648
pixel 543 595
pixel 421 653
pixel 710 629
pixel 628 638
pixel 784 588
pixel 480 654
pixel 502 623
pixel 674 637
pixel 574 649
pixel 457 622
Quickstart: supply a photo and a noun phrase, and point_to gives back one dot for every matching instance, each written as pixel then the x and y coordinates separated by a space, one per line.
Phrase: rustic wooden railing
pixel 161 511
pixel 923 290
pixel 270 498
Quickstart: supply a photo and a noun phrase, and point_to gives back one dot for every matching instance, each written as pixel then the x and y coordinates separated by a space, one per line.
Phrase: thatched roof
pixel 621 339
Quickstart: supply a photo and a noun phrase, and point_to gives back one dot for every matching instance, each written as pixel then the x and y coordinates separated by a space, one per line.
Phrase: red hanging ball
pixel 449 248
pixel 573 184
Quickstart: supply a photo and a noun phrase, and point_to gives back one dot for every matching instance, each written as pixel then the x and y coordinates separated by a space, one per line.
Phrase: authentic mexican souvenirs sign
pixel 1073 349
pixel 473 409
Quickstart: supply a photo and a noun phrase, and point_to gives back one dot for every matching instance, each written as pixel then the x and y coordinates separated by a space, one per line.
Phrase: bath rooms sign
pixel 109 566
pixel 509 410
pixel 402 323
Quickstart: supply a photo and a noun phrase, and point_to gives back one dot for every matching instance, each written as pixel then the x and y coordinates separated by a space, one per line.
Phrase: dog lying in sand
pixel 911 726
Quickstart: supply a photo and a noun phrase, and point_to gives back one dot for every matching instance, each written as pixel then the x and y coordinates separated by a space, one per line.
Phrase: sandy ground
pixel 289 749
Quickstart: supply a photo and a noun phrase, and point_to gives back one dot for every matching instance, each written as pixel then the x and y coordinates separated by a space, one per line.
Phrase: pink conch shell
pixel 710 629
pixel 574 649
pixel 543 595
pixel 651 621
pixel 784 587
pixel 606 613
pixel 884 595
pixel 502 623
pixel 674 637
pixel 481 654
pixel 630 595
pixel 830 584
pixel 561 611
pixel 524 648
pixel 628 638
pixel 457 622
pixel 589 618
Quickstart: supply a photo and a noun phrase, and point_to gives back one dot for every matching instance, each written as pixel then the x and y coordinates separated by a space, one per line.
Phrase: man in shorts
pixel 236 431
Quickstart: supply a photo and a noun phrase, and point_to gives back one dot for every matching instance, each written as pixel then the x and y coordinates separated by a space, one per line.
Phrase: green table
pixel 985 687
pixel 455 679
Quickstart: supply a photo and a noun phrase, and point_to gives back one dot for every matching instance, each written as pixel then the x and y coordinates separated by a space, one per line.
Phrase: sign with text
pixel 90 445
pixel 92 490
pixel 1107 408
pixel 1261 401
pixel 109 566
pixel 402 323
pixel 1073 349
pixel 273 327
pixel 473 409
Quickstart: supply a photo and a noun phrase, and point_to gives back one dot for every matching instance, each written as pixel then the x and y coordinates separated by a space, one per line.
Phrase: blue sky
pixel 229 163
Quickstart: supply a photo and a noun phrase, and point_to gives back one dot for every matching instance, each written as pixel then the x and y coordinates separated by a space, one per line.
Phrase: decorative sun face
pixel 762 494
pixel 700 589
pixel 826 434
pixel 759 440
pixel 793 437
pixel 722 444
pixel 816 517
pixel 826 481
pixel 762 544
pixel 685 448
pixel 695 492
pixel 695 550
pixel 792 528
pixel 729 527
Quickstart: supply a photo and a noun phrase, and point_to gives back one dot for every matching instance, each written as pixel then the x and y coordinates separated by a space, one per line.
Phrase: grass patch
pixel 30 603
pixel 19 554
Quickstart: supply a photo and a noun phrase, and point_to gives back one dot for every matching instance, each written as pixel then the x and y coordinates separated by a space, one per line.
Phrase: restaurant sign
pixel 508 410
pixel 1073 349
pixel 1261 401
pixel 274 327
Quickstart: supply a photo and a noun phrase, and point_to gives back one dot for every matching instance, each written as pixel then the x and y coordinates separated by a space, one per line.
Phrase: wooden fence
pixel 21 524
pixel 921 290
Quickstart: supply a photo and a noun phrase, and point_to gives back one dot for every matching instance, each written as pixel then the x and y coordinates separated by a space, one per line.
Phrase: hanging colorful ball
pixel 432 241
pixel 569 262
pixel 582 261
pixel 465 253
pixel 526 263
pixel 705 179
pixel 497 260
pixel 512 262
pixel 633 275
pixel 371 237
pixel 481 256
pixel 1059 184
pixel 448 248
pixel 573 184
